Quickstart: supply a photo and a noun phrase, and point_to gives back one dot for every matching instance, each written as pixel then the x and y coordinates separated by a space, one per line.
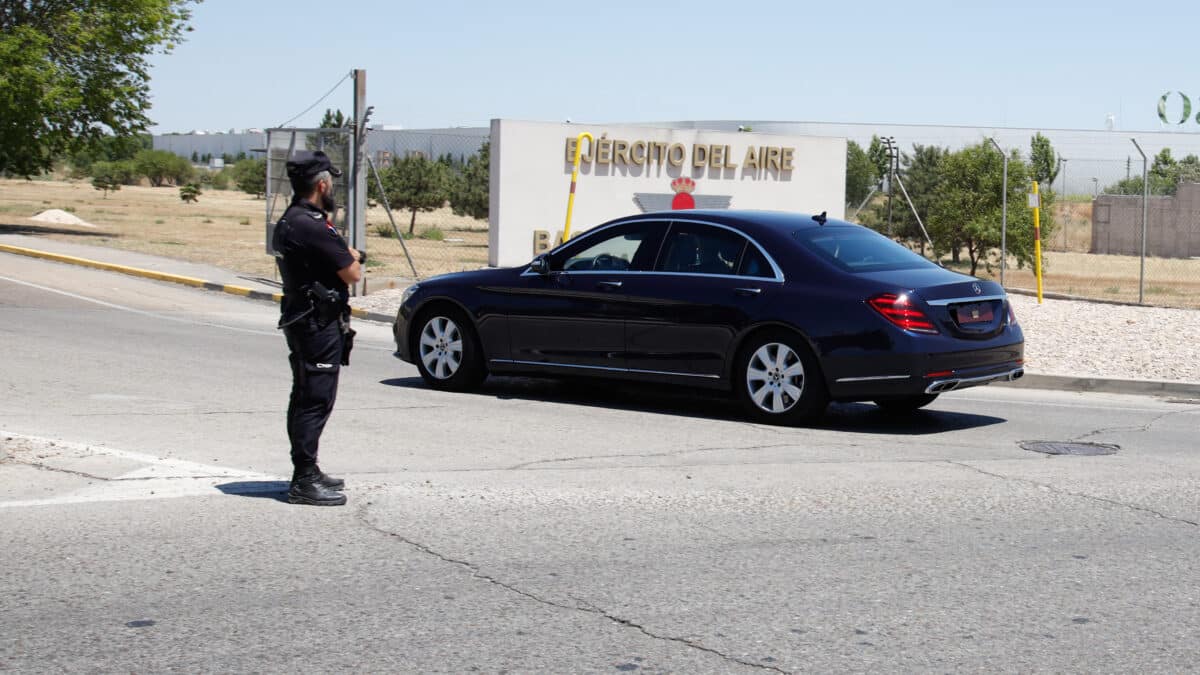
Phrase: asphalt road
pixel 561 527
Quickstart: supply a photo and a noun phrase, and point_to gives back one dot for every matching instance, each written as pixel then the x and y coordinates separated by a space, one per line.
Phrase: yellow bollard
pixel 1036 203
pixel 575 179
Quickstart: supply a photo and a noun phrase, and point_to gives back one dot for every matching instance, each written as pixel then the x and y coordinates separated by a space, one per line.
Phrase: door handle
pixel 608 285
pixel 747 291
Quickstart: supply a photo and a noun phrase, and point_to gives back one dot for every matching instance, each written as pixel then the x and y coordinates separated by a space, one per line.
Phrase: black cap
pixel 308 163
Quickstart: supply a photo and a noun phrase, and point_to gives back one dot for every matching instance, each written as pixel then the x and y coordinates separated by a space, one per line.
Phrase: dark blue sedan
pixel 787 311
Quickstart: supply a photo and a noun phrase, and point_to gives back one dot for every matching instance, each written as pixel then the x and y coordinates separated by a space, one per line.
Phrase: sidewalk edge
pixel 171 278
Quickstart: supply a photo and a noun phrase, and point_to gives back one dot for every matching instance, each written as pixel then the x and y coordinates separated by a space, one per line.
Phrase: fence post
pixel 1145 212
pixel 1003 214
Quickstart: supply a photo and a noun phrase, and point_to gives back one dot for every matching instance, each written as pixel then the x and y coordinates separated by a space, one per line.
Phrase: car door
pixel 709 282
pixel 574 316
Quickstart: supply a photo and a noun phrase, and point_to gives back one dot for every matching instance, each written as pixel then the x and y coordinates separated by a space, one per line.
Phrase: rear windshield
pixel 857 249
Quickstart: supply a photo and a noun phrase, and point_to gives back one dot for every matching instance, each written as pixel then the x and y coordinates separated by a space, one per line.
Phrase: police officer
pixel 316 266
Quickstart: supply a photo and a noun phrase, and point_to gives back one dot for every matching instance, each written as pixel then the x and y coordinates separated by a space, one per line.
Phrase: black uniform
pixel 310 254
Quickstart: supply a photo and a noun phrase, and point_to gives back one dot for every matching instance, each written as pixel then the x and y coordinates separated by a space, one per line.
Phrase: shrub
pixel 251 176
pixel 105 184
pixel 220 180
pixel 162 167
pixel 385 230
pixel 190 193
pixel 432 234
pixel 104 177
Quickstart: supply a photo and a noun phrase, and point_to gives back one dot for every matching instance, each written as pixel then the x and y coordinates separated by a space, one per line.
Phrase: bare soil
pixel 225 228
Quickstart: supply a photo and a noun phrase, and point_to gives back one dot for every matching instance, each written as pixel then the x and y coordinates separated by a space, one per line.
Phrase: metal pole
pixel 914 210
pixel 891 180
pixel 870 194
pixel 575 178
pixel 358 176
pixel 387 208
pixel 1003 214
pixel 1145 212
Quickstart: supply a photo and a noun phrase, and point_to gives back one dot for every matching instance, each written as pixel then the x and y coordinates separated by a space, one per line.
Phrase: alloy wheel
pixel 775 378
pixel 441 347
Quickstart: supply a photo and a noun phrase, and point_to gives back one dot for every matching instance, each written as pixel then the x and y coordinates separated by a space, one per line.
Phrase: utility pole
pixel 1003 212
pixel 358 174
pixel 892 160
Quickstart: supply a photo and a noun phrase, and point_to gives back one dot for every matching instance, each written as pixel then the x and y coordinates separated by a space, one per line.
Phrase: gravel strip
pixel 1063 337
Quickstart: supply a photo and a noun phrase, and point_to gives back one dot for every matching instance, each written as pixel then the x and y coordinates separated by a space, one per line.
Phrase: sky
pixel 446 63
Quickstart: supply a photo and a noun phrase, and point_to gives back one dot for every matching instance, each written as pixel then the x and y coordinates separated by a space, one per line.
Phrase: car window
pixel 619 248
pixel 700 249
pixel 857 249
pixel 754 264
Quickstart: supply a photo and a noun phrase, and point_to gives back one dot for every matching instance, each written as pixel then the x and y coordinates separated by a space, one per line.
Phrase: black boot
pixel 329 482
pixel 306 488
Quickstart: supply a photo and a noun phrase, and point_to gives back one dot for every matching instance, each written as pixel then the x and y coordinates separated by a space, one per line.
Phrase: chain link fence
pixel 440 238
pixel 1091 215
pixel 410 242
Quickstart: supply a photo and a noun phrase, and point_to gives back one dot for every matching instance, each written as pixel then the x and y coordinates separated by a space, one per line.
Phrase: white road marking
pixel 361 345
pixel 156 478
pixel 142 312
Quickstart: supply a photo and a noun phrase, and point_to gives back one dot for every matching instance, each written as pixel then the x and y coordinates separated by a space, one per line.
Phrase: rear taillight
pixel 901 311
pixel 1012 317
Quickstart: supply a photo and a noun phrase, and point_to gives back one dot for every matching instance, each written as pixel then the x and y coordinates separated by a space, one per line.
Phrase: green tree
pixel 878 155
pixel 105 177
pixel 921 174
pixel 336 145
pixel 163 167
pixel 470 187
pixel 190 193
pixel 250 175
pixel 860 173
pixel 73 71
pixel 110 149
pixel 334 119
pixel 416 184
pixel 1042 160
pixel 966 210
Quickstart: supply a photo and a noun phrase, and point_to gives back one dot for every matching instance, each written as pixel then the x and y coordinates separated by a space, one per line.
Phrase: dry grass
pixel 226 228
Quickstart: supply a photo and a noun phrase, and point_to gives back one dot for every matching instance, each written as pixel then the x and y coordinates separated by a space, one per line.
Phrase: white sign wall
pixel 636 169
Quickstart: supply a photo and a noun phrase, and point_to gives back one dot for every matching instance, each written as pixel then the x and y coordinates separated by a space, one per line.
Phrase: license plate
pixel 976 313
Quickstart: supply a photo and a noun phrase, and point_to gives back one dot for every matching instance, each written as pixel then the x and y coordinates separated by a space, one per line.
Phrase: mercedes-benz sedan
pixel 786 311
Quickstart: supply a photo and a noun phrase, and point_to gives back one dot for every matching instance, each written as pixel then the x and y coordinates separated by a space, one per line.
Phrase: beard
pixel 328 204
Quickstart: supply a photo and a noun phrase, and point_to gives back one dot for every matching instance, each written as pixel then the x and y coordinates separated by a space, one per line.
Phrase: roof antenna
pixel 821 218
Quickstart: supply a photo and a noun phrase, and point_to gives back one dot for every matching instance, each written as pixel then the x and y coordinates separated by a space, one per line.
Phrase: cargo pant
pixel 316 358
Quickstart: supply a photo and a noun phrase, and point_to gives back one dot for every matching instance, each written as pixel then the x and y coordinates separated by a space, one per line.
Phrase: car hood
pixel 473 277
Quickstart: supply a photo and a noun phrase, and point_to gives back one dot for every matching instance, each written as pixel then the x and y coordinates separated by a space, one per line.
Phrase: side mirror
pixel 540 265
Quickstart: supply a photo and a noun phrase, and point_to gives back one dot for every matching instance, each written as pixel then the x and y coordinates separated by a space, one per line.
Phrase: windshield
pixel 857 249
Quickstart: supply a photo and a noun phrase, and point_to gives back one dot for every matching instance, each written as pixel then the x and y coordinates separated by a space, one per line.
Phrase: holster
pixel 348 334
pixel 327 305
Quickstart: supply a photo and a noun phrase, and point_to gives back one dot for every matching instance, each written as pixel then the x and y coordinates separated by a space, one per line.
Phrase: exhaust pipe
pixel 943 386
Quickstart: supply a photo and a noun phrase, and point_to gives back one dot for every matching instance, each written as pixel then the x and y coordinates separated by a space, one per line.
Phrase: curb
pixel 173 278
pixel 1029 381
pixel 1108 386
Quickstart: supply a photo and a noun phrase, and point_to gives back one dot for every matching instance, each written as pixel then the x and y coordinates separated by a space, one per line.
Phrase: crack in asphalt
pixel 1083 495
pixel 1140 428
pixel 581 606
pixel 669 453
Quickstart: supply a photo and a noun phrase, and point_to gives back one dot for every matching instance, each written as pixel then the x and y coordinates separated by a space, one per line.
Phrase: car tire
pixel 447 350
pixel 778 380
pixel 905 404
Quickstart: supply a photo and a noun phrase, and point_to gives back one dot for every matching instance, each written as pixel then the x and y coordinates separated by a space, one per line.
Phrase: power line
pixel 318 101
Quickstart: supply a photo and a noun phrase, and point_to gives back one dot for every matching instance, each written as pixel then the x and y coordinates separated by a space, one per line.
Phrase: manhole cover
pixel 1069 448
